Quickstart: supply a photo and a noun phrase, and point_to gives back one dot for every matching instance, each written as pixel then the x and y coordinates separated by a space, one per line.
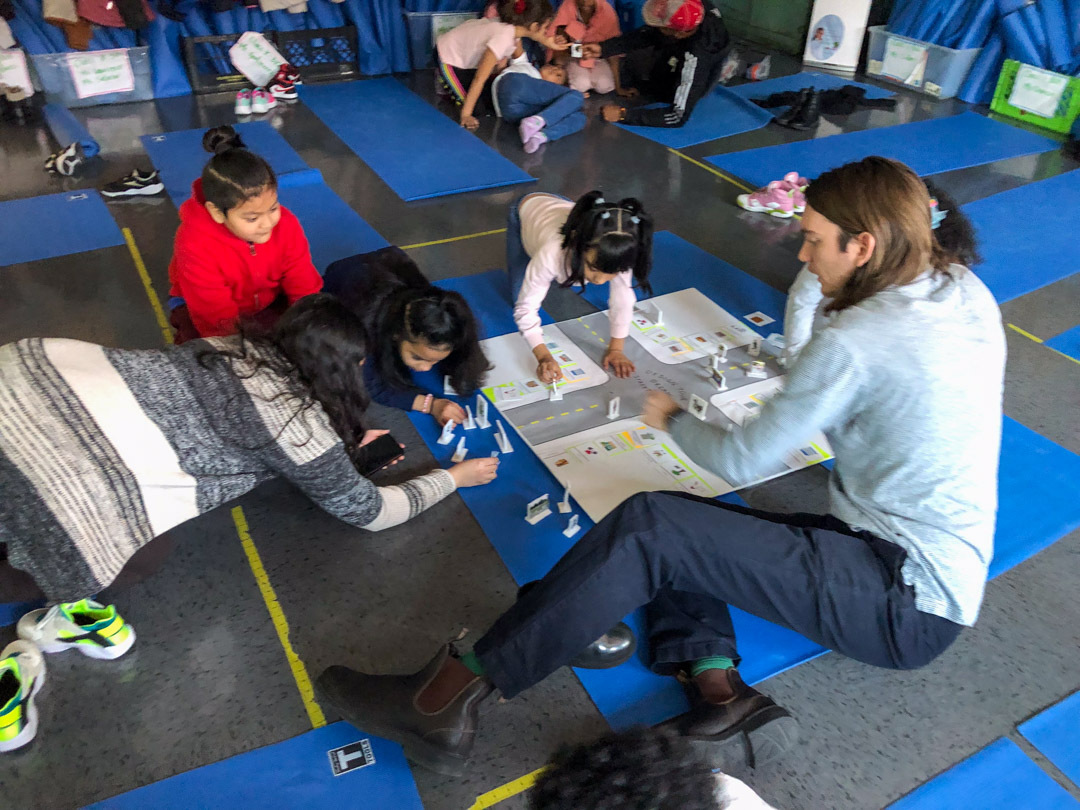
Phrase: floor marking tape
pixel 148 285
pixel 715 171
pixel 1041 342
pixel 493 797
pixel 277 616
pixel 453 239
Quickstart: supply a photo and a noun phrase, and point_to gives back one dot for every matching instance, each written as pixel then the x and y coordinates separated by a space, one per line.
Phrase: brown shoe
pixel 385 705
pixel 749 729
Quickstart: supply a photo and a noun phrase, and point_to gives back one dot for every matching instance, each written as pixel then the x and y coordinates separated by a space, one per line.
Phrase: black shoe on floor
pixel 809 113
pixel 615 647
pixel 385 705
pixel 787 116
pixel 134 184
pixel 748 730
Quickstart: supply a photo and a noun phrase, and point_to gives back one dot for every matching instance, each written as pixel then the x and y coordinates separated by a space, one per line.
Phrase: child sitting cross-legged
pixel 539 101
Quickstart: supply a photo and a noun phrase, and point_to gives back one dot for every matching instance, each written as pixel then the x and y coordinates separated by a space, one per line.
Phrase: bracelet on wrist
pixel 426 407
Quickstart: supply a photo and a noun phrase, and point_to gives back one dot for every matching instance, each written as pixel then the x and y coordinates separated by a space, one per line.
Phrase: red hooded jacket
pixel 221 277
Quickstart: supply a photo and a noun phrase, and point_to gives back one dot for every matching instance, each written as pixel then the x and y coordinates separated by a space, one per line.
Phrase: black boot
pixel 809 113
pixel 787 116
pixel 615 647
pixel 386 705
pixel 749 729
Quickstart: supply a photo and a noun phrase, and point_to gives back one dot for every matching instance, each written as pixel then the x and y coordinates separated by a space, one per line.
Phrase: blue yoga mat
pixel 999 777
pixel 67 130
pixel 1056 733
pixel 1027 235
pixel 1067 343
pixel 797 81
pixel 928 147
pixel 413 147
pixel 333 229
pixel 180 158
pixel 719 114
pixel 677 265
pixel 1038 495
pixel 293 774
pixel 488 296
pixel 55 225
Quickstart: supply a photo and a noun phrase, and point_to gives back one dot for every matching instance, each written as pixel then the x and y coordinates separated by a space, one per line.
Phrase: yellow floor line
pixel 499 794
pixel 148 285
pixel 1041 342
pixel 709 168
pixel 454 239
pixel 277 616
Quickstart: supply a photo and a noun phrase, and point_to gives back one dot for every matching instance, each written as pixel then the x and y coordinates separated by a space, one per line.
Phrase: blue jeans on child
pixel 517 260
pixel 521 96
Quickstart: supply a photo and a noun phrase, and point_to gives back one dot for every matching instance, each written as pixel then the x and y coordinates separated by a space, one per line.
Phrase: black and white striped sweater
pixel 101 450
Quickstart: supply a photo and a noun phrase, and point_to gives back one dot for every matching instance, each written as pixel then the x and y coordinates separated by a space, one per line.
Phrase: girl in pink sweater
pixel 588 21
pixel 551 240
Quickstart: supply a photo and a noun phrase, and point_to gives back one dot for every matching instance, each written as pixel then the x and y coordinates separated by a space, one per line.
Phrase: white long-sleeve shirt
pixel 907 386
pixel 542 218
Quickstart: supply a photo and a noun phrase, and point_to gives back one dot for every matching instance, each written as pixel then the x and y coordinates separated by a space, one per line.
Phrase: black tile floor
pixel 208 678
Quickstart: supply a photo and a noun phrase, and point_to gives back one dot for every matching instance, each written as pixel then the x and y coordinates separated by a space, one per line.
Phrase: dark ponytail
pixel 525 12
pixel 234 174
pixel 954 234
pixel 620 232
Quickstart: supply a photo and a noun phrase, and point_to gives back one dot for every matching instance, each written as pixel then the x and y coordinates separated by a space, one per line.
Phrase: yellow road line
pixel 1041 342
pixel 277 616
pixel 148 285
pixel 715 171
pixel 493 797
pixel 453 239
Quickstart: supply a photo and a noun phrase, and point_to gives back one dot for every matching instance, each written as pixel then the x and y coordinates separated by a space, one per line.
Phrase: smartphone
pixel 381 453
pixel 576 50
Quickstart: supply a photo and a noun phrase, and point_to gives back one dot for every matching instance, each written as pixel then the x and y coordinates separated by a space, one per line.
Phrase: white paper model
pixel 719 381
pixel 447 388
pixel 482 412
pixel 556 393
pixel 538 510
pixel 757 369
pixel 564 504
pixel 461 452
pixel 572 527
pixel 754 349
pixel 447 433
pixel 470 421
pixel 698 406
pixel 613 408
pixel 502 439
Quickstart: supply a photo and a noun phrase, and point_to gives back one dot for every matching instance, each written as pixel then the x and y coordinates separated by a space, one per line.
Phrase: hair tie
pixel 519 7
pixel 937 216
pixel 605 215
pixel 598 202
pixel 635 219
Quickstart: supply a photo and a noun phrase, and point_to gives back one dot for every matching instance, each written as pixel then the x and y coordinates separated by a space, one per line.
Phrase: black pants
pixel 686 559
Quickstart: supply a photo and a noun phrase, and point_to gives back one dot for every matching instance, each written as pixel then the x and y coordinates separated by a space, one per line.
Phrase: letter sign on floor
pixel 351 757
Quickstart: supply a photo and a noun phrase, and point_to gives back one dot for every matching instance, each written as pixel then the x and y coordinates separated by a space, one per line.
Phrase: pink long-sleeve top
pixel 542 218
pixel 603 25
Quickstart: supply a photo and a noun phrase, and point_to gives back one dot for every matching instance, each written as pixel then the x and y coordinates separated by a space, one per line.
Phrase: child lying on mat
pixel 538 101
pixel 466 56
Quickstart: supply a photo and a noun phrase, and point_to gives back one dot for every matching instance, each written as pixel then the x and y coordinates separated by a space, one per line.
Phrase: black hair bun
pixel 219 140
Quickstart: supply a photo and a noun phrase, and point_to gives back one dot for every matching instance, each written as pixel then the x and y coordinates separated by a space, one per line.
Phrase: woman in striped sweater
pixel 102 450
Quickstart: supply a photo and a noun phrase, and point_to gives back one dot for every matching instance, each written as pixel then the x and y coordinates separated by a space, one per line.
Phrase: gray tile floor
pixel 208 679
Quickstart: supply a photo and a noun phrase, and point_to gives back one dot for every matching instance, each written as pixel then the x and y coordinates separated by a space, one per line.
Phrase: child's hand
pixel 618 362
pixel 612 113
pixel 470 122
pixel 562 39
pixel 548 370
pixel 444 410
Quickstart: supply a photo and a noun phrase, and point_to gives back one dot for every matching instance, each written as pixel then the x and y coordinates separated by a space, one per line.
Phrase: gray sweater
pixel 907 386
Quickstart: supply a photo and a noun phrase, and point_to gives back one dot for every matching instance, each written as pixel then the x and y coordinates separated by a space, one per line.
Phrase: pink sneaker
pixel 776 199
pixel 243 103
pixel 262 101
pixel 798 185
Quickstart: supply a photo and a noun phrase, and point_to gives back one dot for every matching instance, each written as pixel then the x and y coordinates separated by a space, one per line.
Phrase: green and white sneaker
pixel 22 674
pixel 97 631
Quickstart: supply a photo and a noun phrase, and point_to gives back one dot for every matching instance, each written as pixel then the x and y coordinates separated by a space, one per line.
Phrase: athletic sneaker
pixel 243 103
pixel 530 127
pixel 67 160
pixel 262 101
pixel 287 73
pixel 22 674
pixel 134 184
pixel 798 186
pixel 97 631
pixel 283 89
pixel 776 199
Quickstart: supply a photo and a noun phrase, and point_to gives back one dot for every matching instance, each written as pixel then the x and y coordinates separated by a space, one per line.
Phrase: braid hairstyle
pixel 620 232
pixel 234 174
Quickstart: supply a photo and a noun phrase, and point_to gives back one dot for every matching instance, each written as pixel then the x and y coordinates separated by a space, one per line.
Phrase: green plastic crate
pixel 1068 109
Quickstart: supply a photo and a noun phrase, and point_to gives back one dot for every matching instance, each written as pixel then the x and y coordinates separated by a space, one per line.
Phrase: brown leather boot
pixel 386 705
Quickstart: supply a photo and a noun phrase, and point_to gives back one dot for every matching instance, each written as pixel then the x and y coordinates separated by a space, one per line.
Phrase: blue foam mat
pixel 928 147
pixel 488 296
pixel 1067 342
pixel 180 157
pixel 1023 253
pixel 67 129
pixel 414 148
pixel 797 81
pixel 1056 733
pixel 55 225
pixel 720 114
pixel 678 264
pixel 999 777
pixel 292 774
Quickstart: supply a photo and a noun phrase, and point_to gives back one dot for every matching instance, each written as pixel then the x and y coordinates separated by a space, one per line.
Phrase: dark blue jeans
pixel 521 96
pixel 685 559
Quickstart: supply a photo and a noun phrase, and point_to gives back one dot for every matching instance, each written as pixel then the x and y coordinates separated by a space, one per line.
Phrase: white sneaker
pixel 22 674
pixel 97 631
pixel 243 103
pixel 262 101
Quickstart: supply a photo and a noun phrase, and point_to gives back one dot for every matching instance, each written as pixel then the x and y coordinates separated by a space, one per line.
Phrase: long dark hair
pixel 621 232
pixel 318 346
pixel 955 234
pixel 438 318
pixel 234 174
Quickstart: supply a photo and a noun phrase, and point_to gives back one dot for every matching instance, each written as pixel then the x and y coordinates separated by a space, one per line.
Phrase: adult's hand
pixel 590 50
pixel 444 410
pixel 475 472
pixel 611 113
pixel 659 408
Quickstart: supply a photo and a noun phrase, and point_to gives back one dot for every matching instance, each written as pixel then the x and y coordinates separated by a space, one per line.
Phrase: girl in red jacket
pixel 238 251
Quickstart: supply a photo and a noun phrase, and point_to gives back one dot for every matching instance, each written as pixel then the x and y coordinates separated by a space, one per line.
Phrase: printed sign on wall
pixel 99 73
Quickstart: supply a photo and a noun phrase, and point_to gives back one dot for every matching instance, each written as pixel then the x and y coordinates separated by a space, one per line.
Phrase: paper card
pixel 1038 91
pixel 447 387
pixel 565 460
pixel 531 386
pixel 256 58
pixel 564 359
pixel 552 346
pixel 759 319
pixel 676 469
pixel 660 454
pixel 589 451
pixel 698 406
pixel 538 509
pixel 695 486
pixel 661 336
pixel 703 342
pixel 904 61
pixel 98 73
pixel 575 373
pixel 13 70
pixel 642 322
pixel 508 392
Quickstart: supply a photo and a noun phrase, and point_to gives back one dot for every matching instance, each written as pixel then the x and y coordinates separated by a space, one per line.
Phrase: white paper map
pixel 692 327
